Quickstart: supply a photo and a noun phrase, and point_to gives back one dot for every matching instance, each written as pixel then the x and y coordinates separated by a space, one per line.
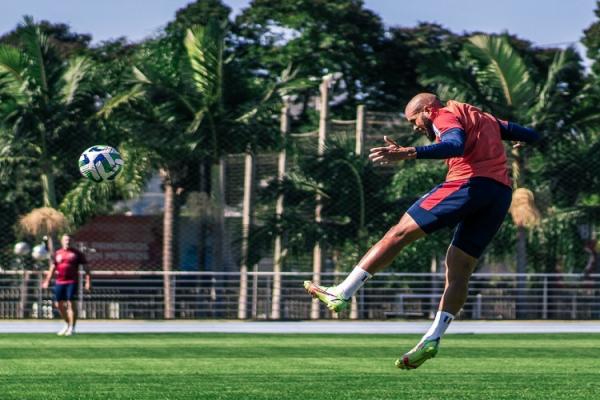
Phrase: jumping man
pixel 475 198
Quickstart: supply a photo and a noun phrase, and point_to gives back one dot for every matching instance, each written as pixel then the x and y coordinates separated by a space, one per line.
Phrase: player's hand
pixel 518 145
pixel 45 284
pixel 88 287
pixel 393 152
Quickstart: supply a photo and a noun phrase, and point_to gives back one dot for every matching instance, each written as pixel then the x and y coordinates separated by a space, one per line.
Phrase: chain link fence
pixel 251 227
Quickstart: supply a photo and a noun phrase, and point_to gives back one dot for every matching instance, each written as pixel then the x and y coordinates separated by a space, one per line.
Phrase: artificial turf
pixel 290 366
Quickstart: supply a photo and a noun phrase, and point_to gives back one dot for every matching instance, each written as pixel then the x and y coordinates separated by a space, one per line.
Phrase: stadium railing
pixel 215 295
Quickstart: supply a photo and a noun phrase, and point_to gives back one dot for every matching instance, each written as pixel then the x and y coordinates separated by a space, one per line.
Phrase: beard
pixel 429 132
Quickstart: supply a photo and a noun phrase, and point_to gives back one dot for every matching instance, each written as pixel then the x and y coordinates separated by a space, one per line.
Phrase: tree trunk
pixel 318 248
pixel 49 193
pixel 169 261
pixel 279 251
pixel 247 211
pixel 518 169
pixel 205 189
pixel 48 187
pixel 521 269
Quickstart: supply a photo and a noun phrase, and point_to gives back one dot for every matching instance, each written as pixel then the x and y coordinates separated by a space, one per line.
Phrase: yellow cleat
pixel 419 354
pixel 325 294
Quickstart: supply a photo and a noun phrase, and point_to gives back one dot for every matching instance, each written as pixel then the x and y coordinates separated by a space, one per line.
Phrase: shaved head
pixel 420 110
pixel 420 101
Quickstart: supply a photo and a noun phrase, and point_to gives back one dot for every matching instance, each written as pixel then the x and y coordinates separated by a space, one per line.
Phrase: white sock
pixel 440 324
pixel 353 282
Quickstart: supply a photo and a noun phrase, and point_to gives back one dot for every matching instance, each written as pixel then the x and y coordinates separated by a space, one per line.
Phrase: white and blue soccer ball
pixel 100 163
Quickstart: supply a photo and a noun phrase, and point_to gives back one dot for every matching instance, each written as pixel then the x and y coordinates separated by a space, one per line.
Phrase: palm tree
pixel 47 106
pixel 176 98
pixel 43 102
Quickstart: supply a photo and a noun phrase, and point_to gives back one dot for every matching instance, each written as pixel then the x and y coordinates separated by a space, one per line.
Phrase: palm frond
pixel 452 80
pixel 140 76
pixel 136 170
pixel 204 46
pixel 286 84
pixel 37 45
pixel 86 199
pixel 128 97
pixel 504 69
pixel 196 122
pixel 77 69
pixel 12 65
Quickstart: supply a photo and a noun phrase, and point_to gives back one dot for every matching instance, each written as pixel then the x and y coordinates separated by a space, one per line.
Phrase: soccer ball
pixel 100 163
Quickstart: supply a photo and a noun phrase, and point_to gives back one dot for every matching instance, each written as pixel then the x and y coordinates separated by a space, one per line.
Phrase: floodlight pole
pixel 278 252
pixel 318 248
pixel 246 224
pixel 360 130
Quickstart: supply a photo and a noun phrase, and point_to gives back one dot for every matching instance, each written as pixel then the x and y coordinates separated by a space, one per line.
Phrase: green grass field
pixel 238 366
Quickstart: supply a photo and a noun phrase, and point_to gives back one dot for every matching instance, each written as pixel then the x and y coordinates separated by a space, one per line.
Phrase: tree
pixel 318 38
pixel 177 102
pixel 591 40
pixel 47 108
pixel 44 103
pixel 406 53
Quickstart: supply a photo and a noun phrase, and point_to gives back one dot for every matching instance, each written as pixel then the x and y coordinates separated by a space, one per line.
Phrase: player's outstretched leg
pixel 328 295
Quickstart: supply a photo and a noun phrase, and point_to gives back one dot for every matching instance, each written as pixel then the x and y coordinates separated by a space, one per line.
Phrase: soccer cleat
pixel 333 301
pixel 63 331
pixel 70 331
pixel 419 354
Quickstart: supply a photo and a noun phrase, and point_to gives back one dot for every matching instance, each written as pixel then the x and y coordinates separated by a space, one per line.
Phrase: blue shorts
pixel 66 291
pixel 476 206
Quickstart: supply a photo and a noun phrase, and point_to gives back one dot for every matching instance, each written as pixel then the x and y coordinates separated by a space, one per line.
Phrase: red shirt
pixel 484 153
pixel 67 265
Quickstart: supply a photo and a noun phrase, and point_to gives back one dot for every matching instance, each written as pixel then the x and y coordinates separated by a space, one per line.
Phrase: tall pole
pixel 278 250
pixel 359 149
pixel 360 130
pixel 518 170
pixel 318 249
pixel 246 223
pixel 219 263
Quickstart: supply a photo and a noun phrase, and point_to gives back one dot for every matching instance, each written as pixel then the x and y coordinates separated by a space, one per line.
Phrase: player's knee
pixel 401 234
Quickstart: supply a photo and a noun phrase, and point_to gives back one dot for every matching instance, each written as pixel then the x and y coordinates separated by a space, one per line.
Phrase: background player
pixel 65 263
pixel 475 198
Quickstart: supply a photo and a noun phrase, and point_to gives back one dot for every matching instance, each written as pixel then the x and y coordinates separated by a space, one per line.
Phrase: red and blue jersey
pixel 67 265
pixel 484 154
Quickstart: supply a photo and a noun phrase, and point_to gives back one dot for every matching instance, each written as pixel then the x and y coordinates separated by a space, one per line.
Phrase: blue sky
pixel 543 22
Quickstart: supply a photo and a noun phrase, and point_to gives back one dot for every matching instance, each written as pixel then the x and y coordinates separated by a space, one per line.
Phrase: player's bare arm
pixel 49 275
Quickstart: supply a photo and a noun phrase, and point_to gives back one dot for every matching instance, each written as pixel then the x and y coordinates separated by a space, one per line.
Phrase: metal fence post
pixel 40 308
pixel 255 291
pixel 478 306
pixel 545 299
pixel 80 312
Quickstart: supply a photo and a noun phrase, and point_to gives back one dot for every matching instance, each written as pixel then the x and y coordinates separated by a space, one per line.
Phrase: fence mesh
pixel 209 236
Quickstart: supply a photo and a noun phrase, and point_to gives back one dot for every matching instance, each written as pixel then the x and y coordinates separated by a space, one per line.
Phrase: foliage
pixel 352 195
pixel 316 37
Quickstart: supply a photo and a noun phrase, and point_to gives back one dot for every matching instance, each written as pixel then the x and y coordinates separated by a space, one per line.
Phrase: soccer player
pixel 475 198
pixel 65 262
